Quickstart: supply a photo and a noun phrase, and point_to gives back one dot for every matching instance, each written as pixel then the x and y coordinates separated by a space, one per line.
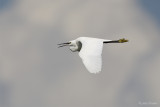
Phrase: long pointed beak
pixel 63 44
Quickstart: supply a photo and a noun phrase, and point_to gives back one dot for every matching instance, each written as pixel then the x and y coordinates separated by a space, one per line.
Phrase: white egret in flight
pixel 90 50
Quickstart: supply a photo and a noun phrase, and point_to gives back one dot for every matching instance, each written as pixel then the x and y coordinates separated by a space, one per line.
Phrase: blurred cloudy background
pixel 35 73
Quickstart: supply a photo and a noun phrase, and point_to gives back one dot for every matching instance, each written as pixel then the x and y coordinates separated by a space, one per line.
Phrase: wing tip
pixel 97 72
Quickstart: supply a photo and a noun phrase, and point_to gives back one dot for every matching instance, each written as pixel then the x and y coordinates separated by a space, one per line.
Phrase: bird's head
pixel 74 45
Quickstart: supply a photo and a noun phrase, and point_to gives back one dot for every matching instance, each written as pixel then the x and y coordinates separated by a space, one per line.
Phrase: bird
pixel 90 51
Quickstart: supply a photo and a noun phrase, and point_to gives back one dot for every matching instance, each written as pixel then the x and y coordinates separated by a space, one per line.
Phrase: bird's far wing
pixel 91 54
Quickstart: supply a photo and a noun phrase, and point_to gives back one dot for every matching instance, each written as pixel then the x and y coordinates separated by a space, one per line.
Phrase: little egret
pixel 90 50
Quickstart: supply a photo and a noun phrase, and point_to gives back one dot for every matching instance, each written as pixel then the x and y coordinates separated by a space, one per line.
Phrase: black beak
pixel 63 44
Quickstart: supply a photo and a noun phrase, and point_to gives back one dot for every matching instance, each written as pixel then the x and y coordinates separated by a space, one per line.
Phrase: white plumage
pixel 90 51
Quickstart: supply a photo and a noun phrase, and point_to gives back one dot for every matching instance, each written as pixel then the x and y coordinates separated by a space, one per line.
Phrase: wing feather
pixel 91 54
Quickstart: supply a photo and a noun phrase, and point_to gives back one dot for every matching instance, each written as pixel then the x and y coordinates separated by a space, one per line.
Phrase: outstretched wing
pixel 91 54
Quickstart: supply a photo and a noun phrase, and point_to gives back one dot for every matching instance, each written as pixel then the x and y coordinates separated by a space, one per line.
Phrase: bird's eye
pixel 69 42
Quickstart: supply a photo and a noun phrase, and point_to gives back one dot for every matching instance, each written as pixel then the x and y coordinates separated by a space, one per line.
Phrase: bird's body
pixel 90 50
